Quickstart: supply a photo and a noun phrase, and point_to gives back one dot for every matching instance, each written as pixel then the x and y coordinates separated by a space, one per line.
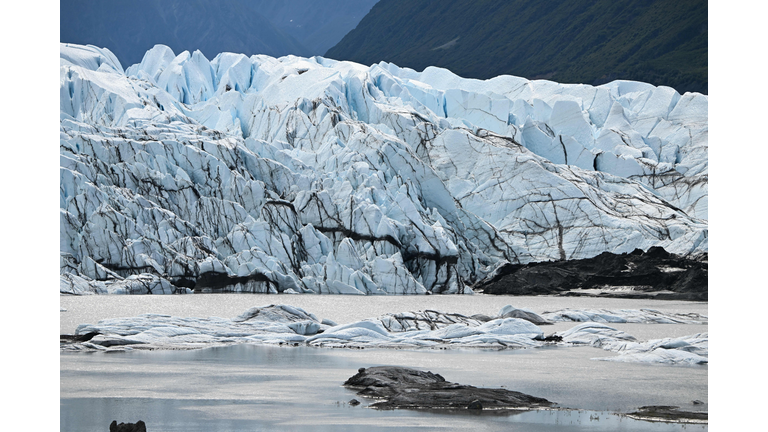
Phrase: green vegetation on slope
pixel 578 41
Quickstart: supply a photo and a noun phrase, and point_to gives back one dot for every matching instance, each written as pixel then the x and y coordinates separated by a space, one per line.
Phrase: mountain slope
pixel 582 41
pixel 317 24
pixel 273 27
pixel 131 27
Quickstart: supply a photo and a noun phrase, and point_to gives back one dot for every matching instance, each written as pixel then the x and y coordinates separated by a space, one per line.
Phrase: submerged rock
pixel 139 426
pixel 669 413
pixel 401 387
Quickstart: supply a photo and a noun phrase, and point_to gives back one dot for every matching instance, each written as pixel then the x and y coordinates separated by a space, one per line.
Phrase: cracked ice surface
pixel 256 174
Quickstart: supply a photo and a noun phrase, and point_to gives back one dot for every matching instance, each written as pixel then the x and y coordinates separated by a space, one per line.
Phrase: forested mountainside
pixel 580 41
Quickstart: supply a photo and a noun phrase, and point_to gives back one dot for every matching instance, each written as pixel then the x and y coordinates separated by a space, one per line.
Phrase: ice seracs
pixel 257 174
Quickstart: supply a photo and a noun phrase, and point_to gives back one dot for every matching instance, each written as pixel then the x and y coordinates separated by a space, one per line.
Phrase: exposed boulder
pixel 139 426
pixel 400 387
pixel 509 311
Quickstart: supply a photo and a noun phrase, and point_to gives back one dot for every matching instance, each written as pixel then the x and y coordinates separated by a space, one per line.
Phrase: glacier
pixel 310 175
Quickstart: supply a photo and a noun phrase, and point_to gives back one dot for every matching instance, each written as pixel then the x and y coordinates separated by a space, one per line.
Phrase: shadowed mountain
pixel 581 41
pixel 317 24
pixel 131 27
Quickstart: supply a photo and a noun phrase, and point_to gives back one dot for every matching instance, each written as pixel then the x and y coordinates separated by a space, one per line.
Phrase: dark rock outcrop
pixel 78 338
pixel 528 316
pixel 655 273
pixel 667 413
pixel 139 426
pixel 400 387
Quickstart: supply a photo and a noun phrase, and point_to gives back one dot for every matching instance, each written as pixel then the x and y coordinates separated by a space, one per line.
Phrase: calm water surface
pixel 248 387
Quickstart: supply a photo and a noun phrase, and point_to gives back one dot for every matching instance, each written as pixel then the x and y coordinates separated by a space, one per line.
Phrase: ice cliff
pixel 309 175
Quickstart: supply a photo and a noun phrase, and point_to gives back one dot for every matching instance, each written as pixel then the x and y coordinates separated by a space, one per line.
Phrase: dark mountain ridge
pixel 580 41
pixel 129 28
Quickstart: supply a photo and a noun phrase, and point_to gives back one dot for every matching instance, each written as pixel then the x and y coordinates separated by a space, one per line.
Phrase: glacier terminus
pixel 309 175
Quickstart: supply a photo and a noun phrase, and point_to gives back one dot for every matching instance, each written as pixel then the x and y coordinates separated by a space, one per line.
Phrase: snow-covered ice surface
pixel 308 175
pixel 289 325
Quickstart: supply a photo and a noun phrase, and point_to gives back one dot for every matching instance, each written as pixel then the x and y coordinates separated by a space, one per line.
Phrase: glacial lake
pixel 254 388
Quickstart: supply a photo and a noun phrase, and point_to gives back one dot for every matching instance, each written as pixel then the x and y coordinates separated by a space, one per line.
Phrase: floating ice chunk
pixel 276 313
pixel 424 320
pixel 511 326
pixel 692 350
pixel 360 331
pixel 305 327
pixel 594 334
pixel 659 356
pixel 283 324
pixel 648 316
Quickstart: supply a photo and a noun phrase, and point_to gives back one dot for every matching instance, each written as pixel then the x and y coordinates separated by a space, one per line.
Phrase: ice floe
pixel 687 350
pixel 646 316
pixel 289 325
